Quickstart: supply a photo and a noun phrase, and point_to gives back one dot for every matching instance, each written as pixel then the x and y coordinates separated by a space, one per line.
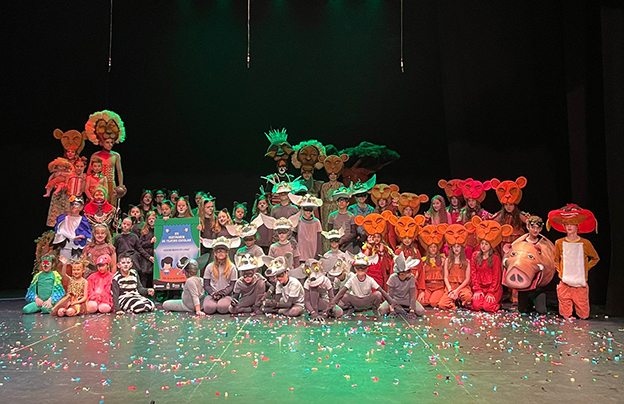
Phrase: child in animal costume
pixel 339 271
pixel 282 228
pixel 457 268
pixel 95 178
pixel 105 128
pixel 359 191
pixel 402 289
pixel 366 294
pixel 473 192
pixel 308 227
pixel 284 207
pixel 72 231
pixel 192 293
pixel 46 287
pixel 99 210
pixel 529 267
pixel 100 295
pixel 74 303
pixel 248 233
pixel 431 238
pixel 220 275
pixel 342 218
pixel 454 194
pixel 280 151
pixel 60 169
pixel 318 289
pixel 262 205
pixel 406 229
pixel 289 294
pixel 249 289
pixel 334 236
pixel 374 225
pixel 485 266
pixel 129 295
pixel 333 167
pixel 574 257
pixel 509 194
pixel 408 205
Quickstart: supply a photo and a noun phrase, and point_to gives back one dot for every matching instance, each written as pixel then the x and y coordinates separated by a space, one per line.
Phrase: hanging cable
pixel 402 69
pixel 110 39
pixel 248 28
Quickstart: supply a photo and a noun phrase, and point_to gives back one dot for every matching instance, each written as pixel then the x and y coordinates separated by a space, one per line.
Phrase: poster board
pixel 175 239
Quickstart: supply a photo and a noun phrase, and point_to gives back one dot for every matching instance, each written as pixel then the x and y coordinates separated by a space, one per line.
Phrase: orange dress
pixel 434 283
pixel 456 276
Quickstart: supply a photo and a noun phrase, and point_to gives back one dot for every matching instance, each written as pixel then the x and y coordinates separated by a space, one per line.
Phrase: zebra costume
pixel 128 293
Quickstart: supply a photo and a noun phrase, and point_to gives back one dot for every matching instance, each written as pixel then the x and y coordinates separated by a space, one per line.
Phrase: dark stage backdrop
pixel 484 94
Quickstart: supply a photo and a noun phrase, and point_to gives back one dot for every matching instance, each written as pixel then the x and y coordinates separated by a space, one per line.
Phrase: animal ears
pixel 394 187
pixel 521 182
pixel 390 217
pixel 495 182
pixel 506 230
pixel 344 157
pixel 442 183
pixel 423 198
pixel 359 220
pixel 420 220
pixel 58 133
pixel 487 185
pixel 442 228
pixel 470 227
pixel 475 220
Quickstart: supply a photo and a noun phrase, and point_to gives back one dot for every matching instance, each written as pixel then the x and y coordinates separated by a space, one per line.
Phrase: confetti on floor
pixel 173 357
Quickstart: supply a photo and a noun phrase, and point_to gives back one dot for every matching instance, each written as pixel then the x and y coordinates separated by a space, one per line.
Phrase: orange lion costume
pixel 374 225
pixel 456 273
pixel 433 262
pixel 406 230
pixel 486 274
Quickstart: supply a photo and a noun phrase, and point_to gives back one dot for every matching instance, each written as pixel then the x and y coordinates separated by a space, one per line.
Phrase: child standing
pixel 146 241
pixel 333 237
pixel 284 244
pixel 128 242
pixel 98 246
pixel 128 293
pixel 308 227
pixel 45 289
pixel 74 303
pixel 574 257
pixel 265 235
pixel 342 218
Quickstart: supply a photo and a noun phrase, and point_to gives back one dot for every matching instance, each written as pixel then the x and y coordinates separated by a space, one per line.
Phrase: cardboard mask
pixel 509 191
pixel 491 231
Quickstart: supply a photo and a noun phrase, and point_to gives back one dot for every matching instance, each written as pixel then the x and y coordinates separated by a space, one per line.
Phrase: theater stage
pixel 177 358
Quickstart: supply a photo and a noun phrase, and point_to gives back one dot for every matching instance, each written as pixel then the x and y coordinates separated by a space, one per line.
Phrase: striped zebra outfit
pixel 128 293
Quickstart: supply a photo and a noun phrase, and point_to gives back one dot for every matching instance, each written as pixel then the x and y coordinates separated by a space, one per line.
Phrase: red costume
pixel 486 279
pixel 433 266
pixel 373 224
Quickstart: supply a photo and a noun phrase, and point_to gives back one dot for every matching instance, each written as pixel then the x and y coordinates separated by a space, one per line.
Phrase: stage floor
pixel 176 358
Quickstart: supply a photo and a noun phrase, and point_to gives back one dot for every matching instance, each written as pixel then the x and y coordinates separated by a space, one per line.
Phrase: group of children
pixel 438 260
pixel 323 254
